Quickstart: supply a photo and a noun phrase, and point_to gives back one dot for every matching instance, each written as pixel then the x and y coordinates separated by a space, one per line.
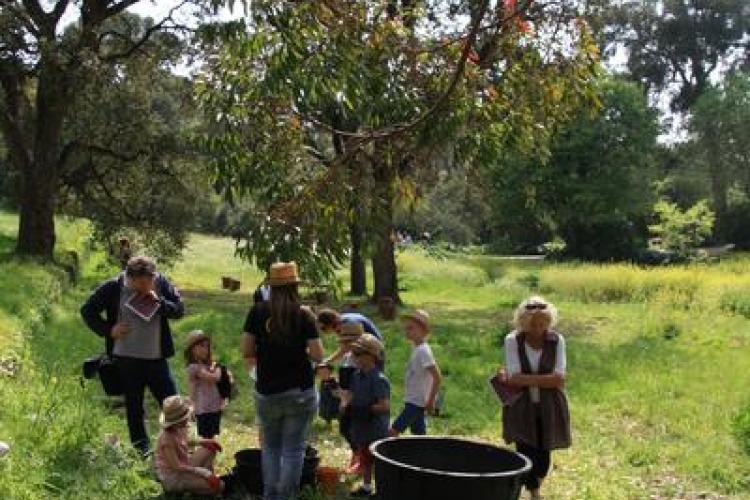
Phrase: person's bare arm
pixel 549 381
pixel 437 380
pixel 335 356
pixel 247 348
pixel 170 457
pixel 315 350
pixel 213 374
pixel 381 407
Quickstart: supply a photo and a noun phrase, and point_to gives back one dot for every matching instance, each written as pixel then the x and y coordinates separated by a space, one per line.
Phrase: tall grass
pixel 694 286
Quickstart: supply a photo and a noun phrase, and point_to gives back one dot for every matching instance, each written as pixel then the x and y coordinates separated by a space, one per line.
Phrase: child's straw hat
pixel 419 316
pixel 350 331
pixel 175 410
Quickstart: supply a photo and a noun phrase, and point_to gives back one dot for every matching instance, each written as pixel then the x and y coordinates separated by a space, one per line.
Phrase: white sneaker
pixel 4 449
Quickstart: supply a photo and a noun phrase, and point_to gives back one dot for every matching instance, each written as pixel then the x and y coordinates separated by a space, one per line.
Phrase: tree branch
pixel 119 7
pixel 476 24
pixel 137 45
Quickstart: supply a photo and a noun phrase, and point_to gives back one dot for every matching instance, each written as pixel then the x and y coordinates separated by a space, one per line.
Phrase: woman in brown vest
pixel 537 421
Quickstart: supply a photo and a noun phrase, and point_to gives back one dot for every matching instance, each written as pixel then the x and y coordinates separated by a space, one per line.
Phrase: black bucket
pixel 249 470
pixel 441 468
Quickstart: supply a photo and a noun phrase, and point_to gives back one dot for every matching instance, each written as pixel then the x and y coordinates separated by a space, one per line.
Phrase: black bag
pixel 329 402
pixel 225 383
pixel 109 375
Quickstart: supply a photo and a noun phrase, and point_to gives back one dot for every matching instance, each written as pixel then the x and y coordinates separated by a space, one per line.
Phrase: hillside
pixel 658 367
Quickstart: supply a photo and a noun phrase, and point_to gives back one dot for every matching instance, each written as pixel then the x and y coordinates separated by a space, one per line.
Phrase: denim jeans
pixel 285 420
pixel 136 375
pixel 413 418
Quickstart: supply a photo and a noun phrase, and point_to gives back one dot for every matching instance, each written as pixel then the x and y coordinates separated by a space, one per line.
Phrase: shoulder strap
pixel 549 353
pixel 521 345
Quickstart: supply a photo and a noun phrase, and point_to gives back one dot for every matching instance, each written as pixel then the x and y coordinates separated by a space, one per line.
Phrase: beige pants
pixel 189 482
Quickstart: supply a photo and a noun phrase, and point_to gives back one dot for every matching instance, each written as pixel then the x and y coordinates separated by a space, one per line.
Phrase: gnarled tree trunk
pixel 358 266
pixel 39 181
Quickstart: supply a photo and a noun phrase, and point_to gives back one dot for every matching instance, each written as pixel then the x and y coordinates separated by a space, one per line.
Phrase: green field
pixel 658 359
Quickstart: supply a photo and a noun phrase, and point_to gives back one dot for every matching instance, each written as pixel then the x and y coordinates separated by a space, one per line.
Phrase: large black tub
pixel 249 470
pixel 441 468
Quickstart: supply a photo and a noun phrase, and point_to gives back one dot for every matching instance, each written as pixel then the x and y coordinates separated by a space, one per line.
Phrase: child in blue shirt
pixel 368 404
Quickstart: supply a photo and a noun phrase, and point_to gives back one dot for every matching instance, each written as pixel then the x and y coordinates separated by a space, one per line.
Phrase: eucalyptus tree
pixel 44 67
pixel 678 45
pixel 325 112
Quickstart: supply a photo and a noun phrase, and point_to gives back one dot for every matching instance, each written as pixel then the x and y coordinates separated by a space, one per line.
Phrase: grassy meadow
pixel 659 365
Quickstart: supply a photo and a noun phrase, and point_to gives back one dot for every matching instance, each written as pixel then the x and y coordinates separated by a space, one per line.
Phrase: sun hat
pixel 350 331
pixel 419 316
pixel 195 337
pixel 175 410
pixel 370 344
pixel 283 273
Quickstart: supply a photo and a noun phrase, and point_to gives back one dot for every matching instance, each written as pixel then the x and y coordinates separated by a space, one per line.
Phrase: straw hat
pixel 283 273
pixel 350 331
pixel 419 316
pixel 175 410
pixel 195 337
pixel 370 344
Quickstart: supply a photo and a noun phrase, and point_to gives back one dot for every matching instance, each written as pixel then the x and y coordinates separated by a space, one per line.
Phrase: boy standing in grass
pixel 368 404
pixel 423 377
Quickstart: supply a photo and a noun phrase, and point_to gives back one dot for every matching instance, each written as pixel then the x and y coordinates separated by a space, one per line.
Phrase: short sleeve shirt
pixel 367 389
pixel 366 323
pixel 418 376
pixel 204 393
pixel 282 365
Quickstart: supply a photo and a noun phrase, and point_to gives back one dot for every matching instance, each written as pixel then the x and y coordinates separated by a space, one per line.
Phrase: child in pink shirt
pixel 203 375
pixel 179 470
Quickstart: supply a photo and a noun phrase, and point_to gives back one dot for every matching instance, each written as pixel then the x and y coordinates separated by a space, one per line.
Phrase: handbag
pixel 329 403
pixel 225 383
pixel 109 374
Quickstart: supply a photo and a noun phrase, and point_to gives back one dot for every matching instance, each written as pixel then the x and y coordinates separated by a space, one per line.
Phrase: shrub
pixel 681 231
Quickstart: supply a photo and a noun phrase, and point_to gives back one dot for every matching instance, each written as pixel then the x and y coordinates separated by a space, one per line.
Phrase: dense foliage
pixel 327 114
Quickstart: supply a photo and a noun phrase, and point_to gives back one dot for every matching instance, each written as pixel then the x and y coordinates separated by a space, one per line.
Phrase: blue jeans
pixel 413 418
pixel 285 420
pixel 136 375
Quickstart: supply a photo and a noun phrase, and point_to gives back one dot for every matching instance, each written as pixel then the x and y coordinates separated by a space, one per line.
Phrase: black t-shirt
pixel 282 365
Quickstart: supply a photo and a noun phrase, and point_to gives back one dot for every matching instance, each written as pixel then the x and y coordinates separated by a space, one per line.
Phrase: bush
pixel 681 231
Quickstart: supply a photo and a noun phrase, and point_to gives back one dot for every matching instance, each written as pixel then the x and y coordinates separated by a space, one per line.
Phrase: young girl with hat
pixel 203 375
pixel 179 470
pixel 535 363
pixel 368 405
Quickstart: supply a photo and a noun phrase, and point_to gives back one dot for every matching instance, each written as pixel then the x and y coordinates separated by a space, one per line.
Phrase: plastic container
pixel 442 468
pixel 249 471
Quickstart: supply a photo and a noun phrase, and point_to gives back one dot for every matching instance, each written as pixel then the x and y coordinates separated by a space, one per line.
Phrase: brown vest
pixel 519 419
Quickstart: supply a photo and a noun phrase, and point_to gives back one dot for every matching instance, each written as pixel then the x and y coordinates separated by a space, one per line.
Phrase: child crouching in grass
pixel 203 376
pixel 179 470
pixel 368 405
pixel 423 377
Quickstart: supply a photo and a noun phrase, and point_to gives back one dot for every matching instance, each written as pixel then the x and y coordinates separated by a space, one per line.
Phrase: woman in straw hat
pixel 283 338
pixel 538 420
pixel 179 470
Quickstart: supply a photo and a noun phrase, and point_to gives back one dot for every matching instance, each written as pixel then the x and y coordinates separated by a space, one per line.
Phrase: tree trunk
pixel 718 193
pixel 36 227
pixel 384 270
pixel 39 181
pixel 358 265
